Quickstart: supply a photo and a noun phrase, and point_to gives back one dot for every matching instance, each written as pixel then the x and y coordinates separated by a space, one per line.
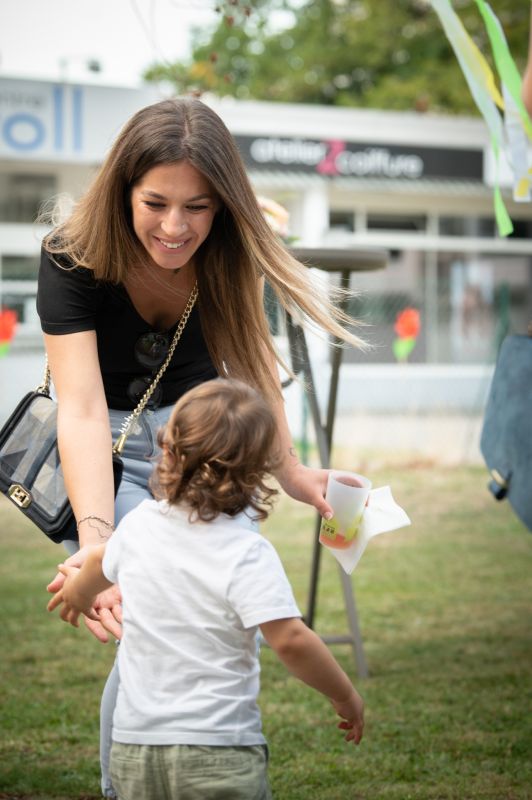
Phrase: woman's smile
pixel 171 245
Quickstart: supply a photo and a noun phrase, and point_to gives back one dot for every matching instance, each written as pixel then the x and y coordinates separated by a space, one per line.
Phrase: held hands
pixel 75 560
pixel 352 713
pixel 101 613
pixel 106 616
pixel 73 601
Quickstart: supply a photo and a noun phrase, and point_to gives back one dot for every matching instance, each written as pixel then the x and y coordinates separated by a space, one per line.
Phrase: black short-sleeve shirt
pixel 71 300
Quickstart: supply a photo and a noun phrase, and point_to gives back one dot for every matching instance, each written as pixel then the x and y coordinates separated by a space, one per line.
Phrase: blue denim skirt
pixel 139 456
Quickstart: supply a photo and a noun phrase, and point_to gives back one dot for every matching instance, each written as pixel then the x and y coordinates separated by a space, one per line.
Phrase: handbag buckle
pixel 19 495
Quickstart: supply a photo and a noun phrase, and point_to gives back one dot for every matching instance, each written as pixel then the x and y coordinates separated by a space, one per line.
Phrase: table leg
pixel 301 363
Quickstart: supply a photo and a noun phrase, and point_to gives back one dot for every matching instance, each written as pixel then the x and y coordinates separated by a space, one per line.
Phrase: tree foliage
pixel 390 54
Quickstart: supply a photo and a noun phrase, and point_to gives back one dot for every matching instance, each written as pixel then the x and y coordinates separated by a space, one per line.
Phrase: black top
pixel 72 300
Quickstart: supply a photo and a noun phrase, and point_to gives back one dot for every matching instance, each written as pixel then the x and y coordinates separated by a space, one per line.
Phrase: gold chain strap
pixel 129 421
pixel 44 387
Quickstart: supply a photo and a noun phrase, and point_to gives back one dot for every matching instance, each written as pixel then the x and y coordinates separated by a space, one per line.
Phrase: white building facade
pixel 418 185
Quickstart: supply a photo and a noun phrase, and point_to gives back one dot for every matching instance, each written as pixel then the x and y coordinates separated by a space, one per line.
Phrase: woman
pixel 170 208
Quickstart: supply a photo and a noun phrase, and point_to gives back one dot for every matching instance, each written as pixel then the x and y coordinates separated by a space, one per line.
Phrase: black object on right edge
pixel 506 439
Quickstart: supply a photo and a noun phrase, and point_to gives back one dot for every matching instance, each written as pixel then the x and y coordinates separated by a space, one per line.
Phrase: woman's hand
pixel 107 604
pixel 308 485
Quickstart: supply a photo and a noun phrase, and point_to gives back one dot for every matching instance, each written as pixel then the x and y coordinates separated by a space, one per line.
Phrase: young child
pixel 197 581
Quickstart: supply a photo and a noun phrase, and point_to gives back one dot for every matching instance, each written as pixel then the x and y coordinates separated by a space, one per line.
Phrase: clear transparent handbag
pixel 30 467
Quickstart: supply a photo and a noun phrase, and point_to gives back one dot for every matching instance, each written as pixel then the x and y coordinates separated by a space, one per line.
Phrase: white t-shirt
pixel 193 596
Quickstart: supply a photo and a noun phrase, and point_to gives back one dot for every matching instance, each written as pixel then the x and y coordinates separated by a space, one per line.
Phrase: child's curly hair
pixel 217 447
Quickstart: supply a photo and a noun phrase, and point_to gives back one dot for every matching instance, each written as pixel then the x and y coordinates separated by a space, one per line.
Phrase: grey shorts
pixel 189 772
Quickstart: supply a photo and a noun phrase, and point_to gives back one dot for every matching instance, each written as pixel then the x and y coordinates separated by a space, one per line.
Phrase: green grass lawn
pixel 445 611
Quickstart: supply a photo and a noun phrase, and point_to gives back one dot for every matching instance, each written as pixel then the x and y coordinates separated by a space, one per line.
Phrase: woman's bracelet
pixel 108 525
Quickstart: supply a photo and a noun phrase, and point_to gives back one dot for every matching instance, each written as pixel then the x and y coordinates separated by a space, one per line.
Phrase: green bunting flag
pixel 488 98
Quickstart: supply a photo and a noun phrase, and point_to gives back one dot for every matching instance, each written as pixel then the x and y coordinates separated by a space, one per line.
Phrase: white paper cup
pixel 347 494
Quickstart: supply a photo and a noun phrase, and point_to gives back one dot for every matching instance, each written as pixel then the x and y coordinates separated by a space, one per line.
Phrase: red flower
pixel 407 323
pixel 8 323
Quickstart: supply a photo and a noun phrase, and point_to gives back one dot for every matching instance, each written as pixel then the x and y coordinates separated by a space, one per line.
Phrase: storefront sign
pixel 40 117
pixel 45 121
pixel 334 157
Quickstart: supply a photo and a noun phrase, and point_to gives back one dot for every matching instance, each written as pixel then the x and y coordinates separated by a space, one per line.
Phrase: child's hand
pixel 75 560
pixel 352 713
pixel 73 602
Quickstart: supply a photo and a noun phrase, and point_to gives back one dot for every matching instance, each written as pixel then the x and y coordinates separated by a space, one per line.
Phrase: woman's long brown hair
pixel 240 251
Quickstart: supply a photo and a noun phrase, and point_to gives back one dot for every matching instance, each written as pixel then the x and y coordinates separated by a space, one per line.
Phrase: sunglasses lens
pixel 137 388
pixel 151 349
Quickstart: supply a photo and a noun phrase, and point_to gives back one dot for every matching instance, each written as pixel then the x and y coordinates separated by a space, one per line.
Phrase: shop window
pixel 467 307
pixel 24 306
pixel 19 268
pixel 342 221
pixel 522 229
pixel 18 282
pixel 467 226
pixel 396 222
pixel 22 196
pixel 481 298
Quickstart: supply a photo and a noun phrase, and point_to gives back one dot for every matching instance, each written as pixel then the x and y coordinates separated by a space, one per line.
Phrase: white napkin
pixel 381 514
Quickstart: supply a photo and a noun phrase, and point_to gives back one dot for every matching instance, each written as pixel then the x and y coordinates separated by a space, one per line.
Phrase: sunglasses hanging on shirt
pixel 150 351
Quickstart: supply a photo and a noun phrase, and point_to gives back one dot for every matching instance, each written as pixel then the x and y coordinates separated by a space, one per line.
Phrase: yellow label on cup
pixel 329 528
pixel 334 536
